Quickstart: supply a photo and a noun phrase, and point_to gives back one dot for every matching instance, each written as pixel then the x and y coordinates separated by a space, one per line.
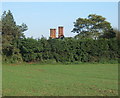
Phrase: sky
pixel 41 16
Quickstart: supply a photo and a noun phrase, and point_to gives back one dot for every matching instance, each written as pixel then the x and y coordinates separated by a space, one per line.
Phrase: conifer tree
pixel 11 35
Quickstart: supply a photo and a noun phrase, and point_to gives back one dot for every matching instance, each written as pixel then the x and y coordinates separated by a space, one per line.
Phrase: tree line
pixel 69 50
pixel 96 41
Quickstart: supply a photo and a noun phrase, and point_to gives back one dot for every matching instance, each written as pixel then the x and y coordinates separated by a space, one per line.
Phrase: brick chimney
pixel 54 30
pixel 53 33
pixel 60 32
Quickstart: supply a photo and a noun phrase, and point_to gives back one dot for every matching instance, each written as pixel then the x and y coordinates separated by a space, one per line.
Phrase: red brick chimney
pixel 60 32
pixel 53 33
pixel 54 30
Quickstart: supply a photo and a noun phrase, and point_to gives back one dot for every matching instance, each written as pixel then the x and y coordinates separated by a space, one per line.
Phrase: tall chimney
pixel 53 33
pixel 54 30
pixel 60 32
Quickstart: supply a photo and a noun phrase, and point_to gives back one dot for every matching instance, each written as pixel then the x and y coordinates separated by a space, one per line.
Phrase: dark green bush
pixel 69 50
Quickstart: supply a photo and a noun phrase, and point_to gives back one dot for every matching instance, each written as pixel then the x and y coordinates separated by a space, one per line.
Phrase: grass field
pixel 60 80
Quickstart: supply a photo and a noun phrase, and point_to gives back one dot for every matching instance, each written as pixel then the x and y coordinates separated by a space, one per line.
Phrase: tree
pixel 11 34
pixel 91 27
pixel 117 33
pixel 111 34
pixel 0 26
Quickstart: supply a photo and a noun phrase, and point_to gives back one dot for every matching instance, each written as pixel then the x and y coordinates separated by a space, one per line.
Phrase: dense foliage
pixel 16 47
pixel 69 50
pixel 93 27
pixel 11 35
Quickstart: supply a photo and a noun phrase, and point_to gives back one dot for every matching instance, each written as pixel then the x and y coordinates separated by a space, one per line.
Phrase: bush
pixel 68 50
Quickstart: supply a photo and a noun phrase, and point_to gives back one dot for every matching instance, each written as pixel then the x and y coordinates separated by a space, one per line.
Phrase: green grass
pixel 60 80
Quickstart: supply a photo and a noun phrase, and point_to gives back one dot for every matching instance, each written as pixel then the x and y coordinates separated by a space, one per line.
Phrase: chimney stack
pixel 54 30
pixel 53 33
pixel 60 31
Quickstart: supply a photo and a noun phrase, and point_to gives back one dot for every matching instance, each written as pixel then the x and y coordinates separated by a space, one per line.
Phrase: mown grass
pixel 60 80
